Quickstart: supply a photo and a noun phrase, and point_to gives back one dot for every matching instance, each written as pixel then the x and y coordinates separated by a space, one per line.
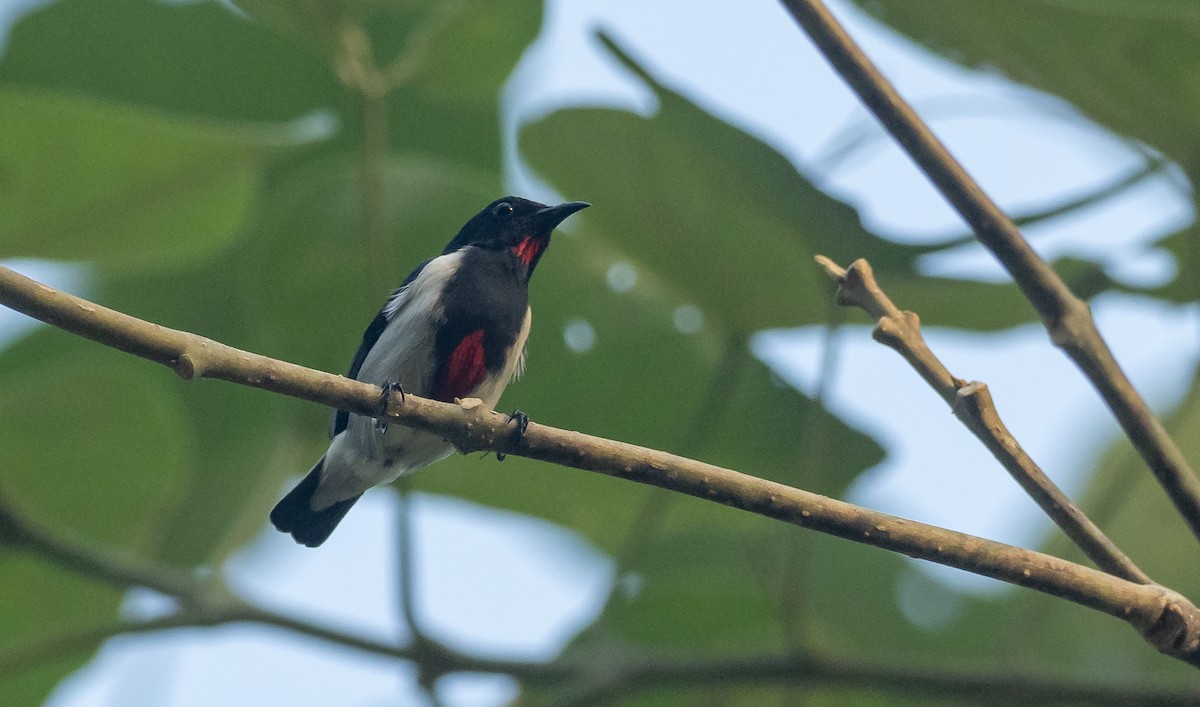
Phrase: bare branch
pixel 1165 618
pixel 1066 317
pixel 972 404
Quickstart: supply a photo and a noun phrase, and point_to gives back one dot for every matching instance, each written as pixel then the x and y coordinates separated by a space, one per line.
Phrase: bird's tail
pixel 294 514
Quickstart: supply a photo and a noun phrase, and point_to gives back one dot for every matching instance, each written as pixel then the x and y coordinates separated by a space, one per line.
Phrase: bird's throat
pixel 528 249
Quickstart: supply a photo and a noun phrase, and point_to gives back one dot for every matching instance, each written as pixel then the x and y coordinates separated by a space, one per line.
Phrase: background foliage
pixel 207 167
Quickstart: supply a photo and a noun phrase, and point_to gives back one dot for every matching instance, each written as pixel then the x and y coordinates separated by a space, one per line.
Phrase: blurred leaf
pixel 104 466
pixel 241 434
pixel 496 39
pixel 1182 246
pixel 696 590
pixel 729 222
pixel 91 444
pixel 1129 64
pixel 771 430
pixel 736 231
pixel 314 22
pixel 38 600
pixel 120 187
pixel 451 107
pixel 189 58
pixel 985 306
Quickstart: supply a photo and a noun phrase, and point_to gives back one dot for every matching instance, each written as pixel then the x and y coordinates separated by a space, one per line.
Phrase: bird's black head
pixel 518 225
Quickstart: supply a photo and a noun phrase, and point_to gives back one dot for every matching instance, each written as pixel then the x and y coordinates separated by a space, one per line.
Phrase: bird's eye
pixel 503 209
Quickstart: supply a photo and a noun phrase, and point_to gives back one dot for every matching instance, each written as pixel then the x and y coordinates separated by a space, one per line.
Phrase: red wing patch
pixel 464 370
pixel 528 249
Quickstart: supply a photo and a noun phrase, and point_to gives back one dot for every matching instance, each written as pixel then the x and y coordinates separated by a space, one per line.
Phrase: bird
pixel 456 328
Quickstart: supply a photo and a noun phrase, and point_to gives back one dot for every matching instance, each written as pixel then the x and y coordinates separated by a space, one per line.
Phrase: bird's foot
pixel 389 387
pixel 522 423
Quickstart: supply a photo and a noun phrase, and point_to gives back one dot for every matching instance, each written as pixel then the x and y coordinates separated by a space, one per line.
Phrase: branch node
pixel 974 400
pixel 468 403
pixel 1176 629
pixel 856 286
pixel 1072 325
pixel 898 330
pixel 184 366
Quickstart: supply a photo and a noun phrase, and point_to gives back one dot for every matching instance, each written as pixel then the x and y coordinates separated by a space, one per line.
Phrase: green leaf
pixel 122 187
pixel 1182 246
pixel 736 211
pixel 728 222
pixel 195 58
pixel 39 600
pixel 1129 64
pixel 496 41
pixel 313 22
pixel 92 446
pixel 90 441
pixel 451 106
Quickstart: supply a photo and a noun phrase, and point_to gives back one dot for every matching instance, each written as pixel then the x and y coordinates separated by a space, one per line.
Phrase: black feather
pixel 294 514
pixel 341 418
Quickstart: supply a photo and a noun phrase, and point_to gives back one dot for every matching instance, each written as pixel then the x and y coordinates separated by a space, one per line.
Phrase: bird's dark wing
pixel 341 418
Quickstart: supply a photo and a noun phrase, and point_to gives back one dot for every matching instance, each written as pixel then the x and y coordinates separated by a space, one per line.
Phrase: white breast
pixel 404 353
pixel 360 457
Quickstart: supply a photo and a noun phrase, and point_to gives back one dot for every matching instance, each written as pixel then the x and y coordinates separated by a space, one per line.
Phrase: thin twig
pixel 207 601
pixel 16 657
pixel 1066 317
pixel 972 404
pixel 1165 618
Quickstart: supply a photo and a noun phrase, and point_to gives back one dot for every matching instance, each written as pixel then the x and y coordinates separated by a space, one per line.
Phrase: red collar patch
pixel 528 249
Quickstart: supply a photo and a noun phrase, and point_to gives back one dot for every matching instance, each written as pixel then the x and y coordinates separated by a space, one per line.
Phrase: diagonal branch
pixel 1165 618
pixel 972 405
pixel 1066 317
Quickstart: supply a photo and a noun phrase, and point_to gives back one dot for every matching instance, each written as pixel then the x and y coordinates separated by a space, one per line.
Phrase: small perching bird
pixel 456 328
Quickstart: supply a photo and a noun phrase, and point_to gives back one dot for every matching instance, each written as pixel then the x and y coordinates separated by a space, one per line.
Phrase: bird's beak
pixel 551 216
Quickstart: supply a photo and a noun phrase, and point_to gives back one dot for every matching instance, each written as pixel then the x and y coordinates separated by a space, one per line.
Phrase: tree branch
pixel 1066 317
pixel 209 604
pixel 206 599
pixel 1165 618
pixel 972 405
pixel 811 671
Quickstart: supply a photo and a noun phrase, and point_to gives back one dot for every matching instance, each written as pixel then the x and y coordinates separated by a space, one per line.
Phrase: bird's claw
pixel 389 387
pixel 522 423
